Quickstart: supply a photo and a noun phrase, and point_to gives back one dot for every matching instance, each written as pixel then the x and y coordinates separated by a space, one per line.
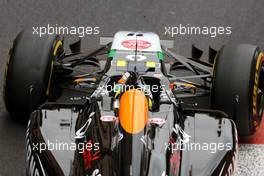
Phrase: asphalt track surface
pixel 245 17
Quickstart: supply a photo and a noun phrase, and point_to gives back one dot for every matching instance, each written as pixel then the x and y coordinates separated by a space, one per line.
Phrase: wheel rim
pixel 260 100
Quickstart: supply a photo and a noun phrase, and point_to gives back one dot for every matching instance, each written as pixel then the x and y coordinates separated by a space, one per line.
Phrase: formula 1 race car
pixel 132 107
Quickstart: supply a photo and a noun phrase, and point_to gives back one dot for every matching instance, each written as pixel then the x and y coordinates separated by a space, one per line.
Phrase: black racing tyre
pixel 238 86
pixel 28 72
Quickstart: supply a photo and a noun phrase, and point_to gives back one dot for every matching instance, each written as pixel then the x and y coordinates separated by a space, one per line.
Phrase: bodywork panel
pixel 152 151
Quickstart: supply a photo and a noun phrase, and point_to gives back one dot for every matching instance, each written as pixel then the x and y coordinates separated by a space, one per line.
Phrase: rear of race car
pixel 131 132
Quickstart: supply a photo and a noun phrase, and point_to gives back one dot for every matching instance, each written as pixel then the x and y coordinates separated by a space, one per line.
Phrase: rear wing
pixel 164 43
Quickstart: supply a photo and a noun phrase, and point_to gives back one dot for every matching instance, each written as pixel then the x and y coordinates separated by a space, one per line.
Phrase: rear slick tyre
pixel 238 86
pixel 28 72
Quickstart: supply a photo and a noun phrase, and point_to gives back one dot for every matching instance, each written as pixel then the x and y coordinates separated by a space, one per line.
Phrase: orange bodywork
pixel 133 112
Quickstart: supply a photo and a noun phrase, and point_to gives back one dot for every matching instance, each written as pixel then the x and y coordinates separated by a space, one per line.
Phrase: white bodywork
pixel 146 41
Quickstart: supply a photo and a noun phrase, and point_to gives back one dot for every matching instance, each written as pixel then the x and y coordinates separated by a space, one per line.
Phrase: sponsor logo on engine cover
pixel 132 44
pixel 136 57
pixel 81 132
pixel 108 118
